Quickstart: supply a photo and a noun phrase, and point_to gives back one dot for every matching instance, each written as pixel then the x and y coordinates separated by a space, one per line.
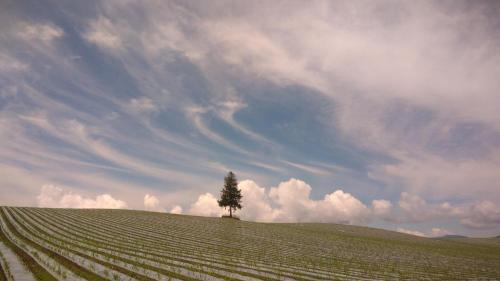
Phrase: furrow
pixel 308 276
pixel 238 266
pixel 62 267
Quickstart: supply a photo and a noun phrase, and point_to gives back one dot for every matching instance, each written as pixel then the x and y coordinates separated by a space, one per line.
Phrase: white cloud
pixel 246 46
pixel 255 202
pixel 206 205
pixel 288 202
pixel 382 208
pixel 45 32
pixel 341 50
pixel 354 54
pixel 89 138
pixel 227 109
pixel 102 32
pixel 294 204
pixel 322 44
pixel 10 64
pixel 151 202
pixel 342 206
pixel 55 197
pixel 195 113
pixel 309 168
pixel 293 199
pixel 49 196
pixel 411 232
pixel 435 176
pixel 481 215
pixel 176 210
pixel 415 207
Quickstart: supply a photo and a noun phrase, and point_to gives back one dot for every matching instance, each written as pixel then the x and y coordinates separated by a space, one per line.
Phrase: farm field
pixel 77 244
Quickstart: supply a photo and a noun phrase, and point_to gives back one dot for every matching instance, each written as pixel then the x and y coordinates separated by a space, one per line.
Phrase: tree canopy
pixel 230 194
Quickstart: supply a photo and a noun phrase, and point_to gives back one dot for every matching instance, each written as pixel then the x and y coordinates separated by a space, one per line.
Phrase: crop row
pixel 186 244
pixel 141 242
pixel 128 245
pixel 63 244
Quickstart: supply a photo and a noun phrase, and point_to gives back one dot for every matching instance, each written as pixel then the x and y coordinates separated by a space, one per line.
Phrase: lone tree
pixel 230 195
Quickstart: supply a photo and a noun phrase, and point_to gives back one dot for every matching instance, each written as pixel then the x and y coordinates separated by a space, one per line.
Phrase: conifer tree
pixel 230 194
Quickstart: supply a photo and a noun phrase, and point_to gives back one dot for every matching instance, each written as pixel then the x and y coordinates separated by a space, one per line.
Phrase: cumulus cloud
pixel 342 206
pixel 55 197
pixel 293 198
pixel 206 205
pixel 481 215
pixel 415 207
pixel 176 210
pixel 256 203
pixel 151 202
pixel 434 175
pixel 288 202
pixel 381 207
pixel 293 203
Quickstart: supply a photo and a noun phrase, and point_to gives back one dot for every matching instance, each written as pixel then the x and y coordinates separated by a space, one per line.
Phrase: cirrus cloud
pixel 102 33
pixel 44 32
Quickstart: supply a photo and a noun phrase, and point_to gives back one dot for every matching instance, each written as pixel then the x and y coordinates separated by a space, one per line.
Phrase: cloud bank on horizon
pixel 120 104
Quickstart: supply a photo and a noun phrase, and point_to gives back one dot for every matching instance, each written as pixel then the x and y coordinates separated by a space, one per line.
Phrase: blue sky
pixel 382 114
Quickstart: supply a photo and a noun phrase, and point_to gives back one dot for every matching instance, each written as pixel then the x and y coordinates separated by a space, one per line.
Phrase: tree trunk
pixel 230 212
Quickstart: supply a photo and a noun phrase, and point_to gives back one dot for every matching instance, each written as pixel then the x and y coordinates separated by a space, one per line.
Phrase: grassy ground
pixel 136 245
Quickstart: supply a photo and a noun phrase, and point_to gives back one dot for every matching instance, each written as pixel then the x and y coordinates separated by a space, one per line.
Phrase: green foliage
pixel 230 194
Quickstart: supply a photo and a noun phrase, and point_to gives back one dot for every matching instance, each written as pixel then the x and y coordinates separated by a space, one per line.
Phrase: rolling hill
pixel 75 244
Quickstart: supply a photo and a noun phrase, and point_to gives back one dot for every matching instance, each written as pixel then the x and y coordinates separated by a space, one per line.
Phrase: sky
pixel 377 113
